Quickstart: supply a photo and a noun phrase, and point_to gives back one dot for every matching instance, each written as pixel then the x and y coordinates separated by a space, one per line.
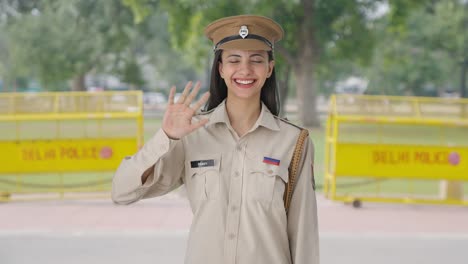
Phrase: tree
pixel 61 40
pixel 422 55
pixel 170 66
pixel 317 31
pixel 5 64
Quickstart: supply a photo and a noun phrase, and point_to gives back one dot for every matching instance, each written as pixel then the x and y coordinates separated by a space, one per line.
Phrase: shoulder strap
pixel 294 168
pixel 284 119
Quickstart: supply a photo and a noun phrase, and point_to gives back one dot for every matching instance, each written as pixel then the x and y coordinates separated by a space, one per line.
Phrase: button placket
pixel 239 148
pixel 235 193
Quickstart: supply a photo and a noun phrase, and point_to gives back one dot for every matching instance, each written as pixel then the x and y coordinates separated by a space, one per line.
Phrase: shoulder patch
pixel 285 120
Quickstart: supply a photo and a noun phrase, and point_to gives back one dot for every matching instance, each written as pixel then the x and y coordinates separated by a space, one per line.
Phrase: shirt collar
pixel 266 118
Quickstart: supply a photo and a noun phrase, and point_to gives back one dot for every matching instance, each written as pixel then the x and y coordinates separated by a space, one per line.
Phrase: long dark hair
pixel 218 89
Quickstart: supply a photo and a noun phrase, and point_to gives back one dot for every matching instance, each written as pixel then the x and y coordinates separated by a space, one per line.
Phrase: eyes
pixel 237 61
pixel 255 60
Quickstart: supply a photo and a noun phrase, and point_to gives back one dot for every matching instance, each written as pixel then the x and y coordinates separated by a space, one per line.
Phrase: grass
pixel 67 129
pixel 388 187
pixel 403 134
pixel 121 128
pixel 56 182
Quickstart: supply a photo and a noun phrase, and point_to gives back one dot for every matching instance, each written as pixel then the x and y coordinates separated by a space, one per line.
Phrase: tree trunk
pixel 306 96
pixel 304 68
pixel 78 83
pixel 463 93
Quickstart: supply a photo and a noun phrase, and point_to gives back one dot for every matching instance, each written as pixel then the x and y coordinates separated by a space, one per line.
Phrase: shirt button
pixel 233 208
pixel 270 171
pixel 236 174
pixel 232 236
pixel 239 148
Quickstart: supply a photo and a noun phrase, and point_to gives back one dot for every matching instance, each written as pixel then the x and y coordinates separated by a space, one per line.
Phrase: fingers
pixel 171 95
pixel 192 94
pixel 201 102
pixel 188 96
pixel 199 124
pixel 184 93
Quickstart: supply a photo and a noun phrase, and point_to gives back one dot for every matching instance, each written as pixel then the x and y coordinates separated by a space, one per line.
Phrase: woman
pixel 232 158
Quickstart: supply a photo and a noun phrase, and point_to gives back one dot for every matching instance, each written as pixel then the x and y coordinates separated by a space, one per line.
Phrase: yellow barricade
pixel 65 144
pixel 397 149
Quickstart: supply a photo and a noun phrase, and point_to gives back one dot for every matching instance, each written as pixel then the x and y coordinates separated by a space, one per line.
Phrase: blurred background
pixel 84 83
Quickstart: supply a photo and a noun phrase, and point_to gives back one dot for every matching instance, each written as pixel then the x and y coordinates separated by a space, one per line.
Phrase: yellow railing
pixel 396 149
pixel 66 142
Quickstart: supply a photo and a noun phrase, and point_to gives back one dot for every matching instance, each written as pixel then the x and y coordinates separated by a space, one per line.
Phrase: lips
pixel 244 83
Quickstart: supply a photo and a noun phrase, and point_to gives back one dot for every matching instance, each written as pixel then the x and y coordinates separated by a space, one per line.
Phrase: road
pixel 155 231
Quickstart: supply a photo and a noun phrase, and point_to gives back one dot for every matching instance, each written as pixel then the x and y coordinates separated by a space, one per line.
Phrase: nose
pixel 245 67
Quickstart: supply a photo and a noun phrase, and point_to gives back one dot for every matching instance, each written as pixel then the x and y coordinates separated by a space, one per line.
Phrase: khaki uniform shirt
pixel 235 187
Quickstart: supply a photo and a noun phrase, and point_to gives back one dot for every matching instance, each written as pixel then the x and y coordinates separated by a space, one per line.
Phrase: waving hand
pixel 177 120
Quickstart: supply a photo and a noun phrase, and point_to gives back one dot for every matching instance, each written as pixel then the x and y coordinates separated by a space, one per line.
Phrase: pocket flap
pixel 273 170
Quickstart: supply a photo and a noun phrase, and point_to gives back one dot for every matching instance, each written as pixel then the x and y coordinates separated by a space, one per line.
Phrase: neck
pixel 242 114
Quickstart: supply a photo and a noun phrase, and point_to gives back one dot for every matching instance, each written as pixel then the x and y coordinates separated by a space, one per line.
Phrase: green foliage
pixel 131 73
pixel 187 20
pixel 170 65
pixel 140 9
pixel 64 39
pixel 400 10
pixel 340 24
pixel 415 47
pixel 422 59
pixel 341 28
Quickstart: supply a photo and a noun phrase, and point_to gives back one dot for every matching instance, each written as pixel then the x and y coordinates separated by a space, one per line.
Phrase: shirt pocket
pixel 267 182
pixel 202 174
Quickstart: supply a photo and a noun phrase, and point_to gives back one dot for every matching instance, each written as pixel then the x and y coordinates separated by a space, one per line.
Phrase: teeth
pixel 244 81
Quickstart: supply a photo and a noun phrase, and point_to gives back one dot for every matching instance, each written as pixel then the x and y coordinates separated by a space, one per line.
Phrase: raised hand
pixel 177 121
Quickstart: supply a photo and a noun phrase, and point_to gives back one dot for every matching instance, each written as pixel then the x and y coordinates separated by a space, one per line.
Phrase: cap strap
pixel 250 36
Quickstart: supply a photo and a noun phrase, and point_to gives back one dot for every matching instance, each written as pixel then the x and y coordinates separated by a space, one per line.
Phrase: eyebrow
pixel 257 54
pixel 253 55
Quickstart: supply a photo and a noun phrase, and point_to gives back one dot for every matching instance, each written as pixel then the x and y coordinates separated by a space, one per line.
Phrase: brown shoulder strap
pixel 294 168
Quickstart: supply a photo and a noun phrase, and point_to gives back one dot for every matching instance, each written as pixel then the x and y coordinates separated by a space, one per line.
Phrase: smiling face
pixel 245 72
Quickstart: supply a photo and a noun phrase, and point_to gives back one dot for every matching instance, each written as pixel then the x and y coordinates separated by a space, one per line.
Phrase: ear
pixel 220 69
pixel 271 66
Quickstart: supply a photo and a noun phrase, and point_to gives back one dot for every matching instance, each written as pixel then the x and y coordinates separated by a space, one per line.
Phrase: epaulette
pixel 285 120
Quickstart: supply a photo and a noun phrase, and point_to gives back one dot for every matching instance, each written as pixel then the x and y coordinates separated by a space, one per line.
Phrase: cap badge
pixel 243 31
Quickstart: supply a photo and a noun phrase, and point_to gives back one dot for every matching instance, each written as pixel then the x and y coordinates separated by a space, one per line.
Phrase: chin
pixel 247 96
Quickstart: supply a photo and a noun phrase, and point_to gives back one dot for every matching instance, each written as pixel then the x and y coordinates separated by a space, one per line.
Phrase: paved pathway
pixel 173 213
pixel 155 231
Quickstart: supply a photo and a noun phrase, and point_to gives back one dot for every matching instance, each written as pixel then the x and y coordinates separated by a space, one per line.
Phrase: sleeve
pixel 302 215
pixel 165 160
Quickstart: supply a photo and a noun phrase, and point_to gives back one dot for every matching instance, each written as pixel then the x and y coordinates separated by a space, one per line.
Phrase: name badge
pixel 202 163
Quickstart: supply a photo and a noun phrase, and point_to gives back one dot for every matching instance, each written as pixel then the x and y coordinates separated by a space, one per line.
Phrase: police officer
pixel 233 158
